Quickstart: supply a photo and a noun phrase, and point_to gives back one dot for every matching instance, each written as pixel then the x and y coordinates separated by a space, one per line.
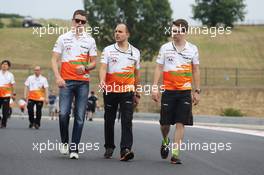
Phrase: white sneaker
pixel 64 149
pixel 74 155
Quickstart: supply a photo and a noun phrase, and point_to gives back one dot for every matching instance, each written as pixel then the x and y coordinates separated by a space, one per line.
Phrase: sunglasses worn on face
pixel 79 20
pixel 178 31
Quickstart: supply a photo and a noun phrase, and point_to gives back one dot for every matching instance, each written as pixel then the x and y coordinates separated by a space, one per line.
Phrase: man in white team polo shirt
pixel 119 75
pixel 178 61
pixel 7 83
pixel 36 93
pixel 76 50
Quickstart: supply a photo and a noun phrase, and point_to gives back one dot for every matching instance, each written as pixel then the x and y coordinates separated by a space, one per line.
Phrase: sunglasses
pixel 178 31
pixel 79 20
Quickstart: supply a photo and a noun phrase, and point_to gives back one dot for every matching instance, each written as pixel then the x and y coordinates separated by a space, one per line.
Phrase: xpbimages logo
pixel 211 147
pixel 143 89
pixel 204 30
pixel 56 146
pixel 58 30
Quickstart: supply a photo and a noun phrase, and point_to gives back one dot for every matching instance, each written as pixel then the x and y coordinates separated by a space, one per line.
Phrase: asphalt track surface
pixel 17 156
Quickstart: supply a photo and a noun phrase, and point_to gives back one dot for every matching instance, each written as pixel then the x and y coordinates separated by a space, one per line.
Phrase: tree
pixel 1 24
pixel 215 12
pixel 145 18
pixel 10 15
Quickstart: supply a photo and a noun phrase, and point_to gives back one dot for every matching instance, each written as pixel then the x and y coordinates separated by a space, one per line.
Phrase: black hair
pixel 7 62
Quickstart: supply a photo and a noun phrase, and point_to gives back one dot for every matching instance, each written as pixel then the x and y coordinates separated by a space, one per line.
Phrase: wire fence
pixel 220 77
pixel 210 77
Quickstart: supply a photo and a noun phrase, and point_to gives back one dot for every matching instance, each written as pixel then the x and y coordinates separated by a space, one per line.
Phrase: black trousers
pixel 30 107
pixel 4 103
pixel 111 102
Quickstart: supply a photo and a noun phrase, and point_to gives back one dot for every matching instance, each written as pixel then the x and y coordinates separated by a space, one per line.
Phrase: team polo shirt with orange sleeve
pixel 177 66
pixel 121 67
pixel 75 52
pixel 37 86
pixel 6 83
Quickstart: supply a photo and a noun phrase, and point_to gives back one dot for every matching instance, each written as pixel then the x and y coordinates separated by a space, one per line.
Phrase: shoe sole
pixel 74 157
pixel 176 162
pixel 127 156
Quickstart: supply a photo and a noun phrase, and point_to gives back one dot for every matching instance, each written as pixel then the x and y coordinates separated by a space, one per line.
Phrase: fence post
pixel 146 74
pixel 237 76
pixel 205 76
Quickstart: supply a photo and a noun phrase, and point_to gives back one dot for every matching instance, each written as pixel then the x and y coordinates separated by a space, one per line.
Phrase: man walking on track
pixel 91 106
pixel 76 50
pixel 36 93
pixel 119 76
pixel 7 83
pixel 179 62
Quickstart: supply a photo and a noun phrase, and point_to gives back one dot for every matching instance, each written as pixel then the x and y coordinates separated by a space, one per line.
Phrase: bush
pixel 1 24
pixel 52 25
pixel 14 23
pixel 232 112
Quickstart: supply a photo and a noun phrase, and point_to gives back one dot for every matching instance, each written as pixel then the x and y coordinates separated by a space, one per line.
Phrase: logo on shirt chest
pixel 170 58
pixel 114 60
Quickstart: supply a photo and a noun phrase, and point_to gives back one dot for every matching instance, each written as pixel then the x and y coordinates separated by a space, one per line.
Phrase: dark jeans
pixel 111 101
pixel 79 91
pixel 4 103
pixel 30 107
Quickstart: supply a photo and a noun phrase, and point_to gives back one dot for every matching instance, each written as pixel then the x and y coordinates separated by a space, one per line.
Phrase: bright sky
pixel 63 9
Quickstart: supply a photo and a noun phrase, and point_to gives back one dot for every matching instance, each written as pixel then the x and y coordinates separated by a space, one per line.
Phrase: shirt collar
pixel 129 50
pixel 3 72
pixel 186 46
pixel 36 76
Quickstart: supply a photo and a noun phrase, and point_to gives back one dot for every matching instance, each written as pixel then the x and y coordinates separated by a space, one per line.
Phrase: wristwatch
pixel 198 91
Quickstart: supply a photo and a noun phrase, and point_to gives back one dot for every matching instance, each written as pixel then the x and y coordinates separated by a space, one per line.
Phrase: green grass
pixel 242 49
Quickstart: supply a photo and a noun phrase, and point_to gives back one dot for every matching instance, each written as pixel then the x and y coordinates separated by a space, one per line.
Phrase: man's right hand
pixel 60 82
pixel 155 96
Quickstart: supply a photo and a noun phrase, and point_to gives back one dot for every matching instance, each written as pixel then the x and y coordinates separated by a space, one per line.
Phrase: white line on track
pixel 259 133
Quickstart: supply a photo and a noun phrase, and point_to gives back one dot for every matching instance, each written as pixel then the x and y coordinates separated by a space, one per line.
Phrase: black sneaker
pixel 36 126
pixel 30 126
pixel 164 150
pixel 175 160
pixel 108 153
pixel 126 155
pixel 3 125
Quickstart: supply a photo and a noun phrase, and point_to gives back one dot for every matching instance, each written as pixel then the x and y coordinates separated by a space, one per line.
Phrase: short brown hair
pixel 80 12
pixel 182 23
pixel 127 27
